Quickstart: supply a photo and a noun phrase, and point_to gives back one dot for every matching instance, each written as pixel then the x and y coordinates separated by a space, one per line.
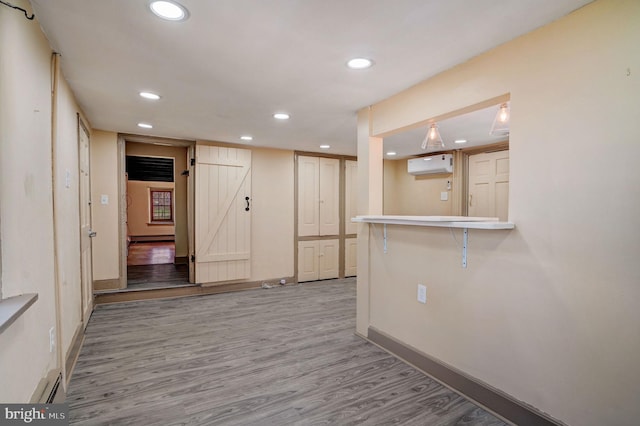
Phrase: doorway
pixel 155 188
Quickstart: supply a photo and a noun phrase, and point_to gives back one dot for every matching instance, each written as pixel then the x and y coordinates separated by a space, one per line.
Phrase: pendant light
pixel 432 140
pixel 501 122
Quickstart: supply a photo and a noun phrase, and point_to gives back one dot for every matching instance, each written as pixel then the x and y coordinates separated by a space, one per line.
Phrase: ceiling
pixel 223 72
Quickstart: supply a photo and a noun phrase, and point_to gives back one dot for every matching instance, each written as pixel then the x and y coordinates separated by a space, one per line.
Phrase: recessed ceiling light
pixel 281 116
pixel 460 141
pixel 246 138
pixel 359 63
pixel 169 10
pixel 325 146
pixel 149 95
pixel 391 153
pixel 145 125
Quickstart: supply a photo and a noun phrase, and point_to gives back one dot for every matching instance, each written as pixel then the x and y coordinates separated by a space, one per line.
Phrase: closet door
pixel 329 255
pixel 350 196
pixel 308 196
pixel 329 196
pixel 351 257
pixel 308 261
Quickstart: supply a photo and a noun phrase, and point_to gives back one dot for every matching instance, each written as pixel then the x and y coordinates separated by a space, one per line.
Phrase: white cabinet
pixel 318 260
pixel 318 196
pixel 351 257
pixel 350 196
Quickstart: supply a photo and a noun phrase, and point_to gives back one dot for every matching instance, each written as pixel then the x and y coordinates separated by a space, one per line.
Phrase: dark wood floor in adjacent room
pixel 281 356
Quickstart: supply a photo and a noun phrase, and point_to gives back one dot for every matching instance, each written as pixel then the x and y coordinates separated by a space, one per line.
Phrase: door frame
pixel 85 311
pixel 123 138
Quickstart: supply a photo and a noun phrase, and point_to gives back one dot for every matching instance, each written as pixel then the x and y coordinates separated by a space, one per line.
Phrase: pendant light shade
pixel 501 122
pixel 432 141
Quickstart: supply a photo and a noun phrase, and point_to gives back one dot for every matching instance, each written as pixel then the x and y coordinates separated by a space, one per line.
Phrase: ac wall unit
pixel 441 163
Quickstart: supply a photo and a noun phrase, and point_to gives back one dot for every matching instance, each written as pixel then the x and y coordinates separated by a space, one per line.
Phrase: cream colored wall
pixel 545 312
pixel 138 209
pixel 104 218
pixel 180 203
pixel 405 194
pixel 27 192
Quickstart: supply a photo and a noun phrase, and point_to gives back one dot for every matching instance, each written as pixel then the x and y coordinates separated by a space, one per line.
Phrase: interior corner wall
pixel 104 217
pixel 546 312
pixel 27 203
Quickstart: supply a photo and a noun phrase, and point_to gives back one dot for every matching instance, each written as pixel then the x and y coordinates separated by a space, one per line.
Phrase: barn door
pixel 223 214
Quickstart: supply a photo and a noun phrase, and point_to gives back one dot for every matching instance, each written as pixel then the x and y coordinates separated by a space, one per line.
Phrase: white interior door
pixel 350 196
pixel 308 261
pixel 329 196
pixel 351 257
pixel 308 196
pixel 489 185
pixel 329 258
pixel 223 214
pixel 86 233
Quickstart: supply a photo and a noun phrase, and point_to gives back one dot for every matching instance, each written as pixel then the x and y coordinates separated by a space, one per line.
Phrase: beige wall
pixel 405 194
pixel 545 312
pixel 104 218
pixel 136 224
pixel 33 170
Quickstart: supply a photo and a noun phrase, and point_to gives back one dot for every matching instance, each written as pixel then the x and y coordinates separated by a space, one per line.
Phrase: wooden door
pixel 308 196
pixel 329 258
pixel 350 196
pixel 191 155
pixel 86 233
pixel 351 257
pixel 489 185
pixel 329 180
pixel 223 214
pixel 308 261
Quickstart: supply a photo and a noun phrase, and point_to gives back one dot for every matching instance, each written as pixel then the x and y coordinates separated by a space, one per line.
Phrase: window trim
pixel 171 219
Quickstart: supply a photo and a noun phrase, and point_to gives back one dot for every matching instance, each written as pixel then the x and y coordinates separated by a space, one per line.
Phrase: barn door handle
pixel 247 200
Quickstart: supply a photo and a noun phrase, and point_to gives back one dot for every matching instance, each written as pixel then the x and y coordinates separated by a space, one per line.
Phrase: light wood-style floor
pixel 282 356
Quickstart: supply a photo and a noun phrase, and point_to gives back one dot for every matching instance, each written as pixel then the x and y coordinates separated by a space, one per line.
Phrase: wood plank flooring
pixel 151 253
pixel 282 356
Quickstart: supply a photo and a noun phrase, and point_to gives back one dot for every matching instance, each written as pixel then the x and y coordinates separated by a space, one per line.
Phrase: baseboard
pixel 495 400
pixel 74 352
pixel 181 260
pixel 49 390
pixel 151 238
pixel 111 284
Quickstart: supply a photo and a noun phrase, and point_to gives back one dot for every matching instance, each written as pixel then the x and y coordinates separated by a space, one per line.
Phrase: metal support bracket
pixel 465 240
pixel 385 238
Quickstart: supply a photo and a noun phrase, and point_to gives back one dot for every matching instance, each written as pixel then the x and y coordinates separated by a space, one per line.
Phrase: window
pixel 161 205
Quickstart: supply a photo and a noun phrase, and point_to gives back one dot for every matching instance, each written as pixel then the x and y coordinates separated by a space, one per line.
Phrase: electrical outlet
pixel 422 293
pixel 52 339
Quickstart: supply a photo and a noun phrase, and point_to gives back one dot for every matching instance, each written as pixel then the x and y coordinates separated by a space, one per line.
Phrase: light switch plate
pixel 104 199
pixel 422 293
pixel 444 196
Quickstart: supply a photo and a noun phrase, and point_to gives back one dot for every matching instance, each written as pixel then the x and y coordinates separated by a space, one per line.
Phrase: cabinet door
pixel 350 196
pixel 351 257
pixel 329 196
pixel 308 261
pixel 329 259
pixel 308 196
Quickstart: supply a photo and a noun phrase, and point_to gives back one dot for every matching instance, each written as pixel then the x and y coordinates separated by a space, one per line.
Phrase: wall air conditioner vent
pixel 441 163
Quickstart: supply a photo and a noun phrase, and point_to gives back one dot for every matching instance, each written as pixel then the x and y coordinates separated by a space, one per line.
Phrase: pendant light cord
pixel 26 15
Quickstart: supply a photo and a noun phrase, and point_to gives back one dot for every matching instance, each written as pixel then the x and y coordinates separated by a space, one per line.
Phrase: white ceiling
pixel 223 72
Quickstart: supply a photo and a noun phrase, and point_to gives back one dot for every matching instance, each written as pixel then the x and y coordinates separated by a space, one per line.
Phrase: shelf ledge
pixel 438 221
pixel 12 307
